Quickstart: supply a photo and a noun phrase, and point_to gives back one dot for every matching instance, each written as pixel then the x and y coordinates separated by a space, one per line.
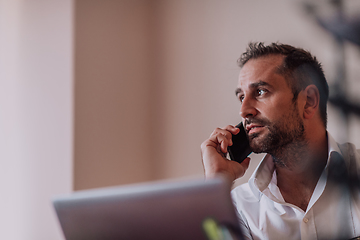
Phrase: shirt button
pixel 305 220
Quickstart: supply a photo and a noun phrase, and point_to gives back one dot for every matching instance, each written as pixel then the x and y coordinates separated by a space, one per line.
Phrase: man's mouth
pixel 253 128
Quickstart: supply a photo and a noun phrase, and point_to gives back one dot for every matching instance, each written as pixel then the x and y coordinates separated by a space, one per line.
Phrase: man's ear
pixel 312 95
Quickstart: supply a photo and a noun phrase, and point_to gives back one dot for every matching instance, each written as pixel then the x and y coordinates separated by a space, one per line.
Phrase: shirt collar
pixel 264 173
pixel 262 176
pixel 332 145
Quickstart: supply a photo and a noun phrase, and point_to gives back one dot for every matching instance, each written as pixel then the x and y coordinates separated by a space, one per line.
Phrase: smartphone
pixel 240 148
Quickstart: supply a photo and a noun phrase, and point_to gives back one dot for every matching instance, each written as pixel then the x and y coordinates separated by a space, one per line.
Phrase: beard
pixel 287 131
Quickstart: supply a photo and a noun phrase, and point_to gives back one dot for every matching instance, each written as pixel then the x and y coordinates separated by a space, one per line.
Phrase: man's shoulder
pixel 349 150
pixel 351 156
pixel 243 193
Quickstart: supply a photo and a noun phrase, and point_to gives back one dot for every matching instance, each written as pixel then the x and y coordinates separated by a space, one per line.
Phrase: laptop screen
pixel 178 209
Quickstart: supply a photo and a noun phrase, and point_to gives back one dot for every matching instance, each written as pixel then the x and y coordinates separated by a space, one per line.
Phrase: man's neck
pixel 298 167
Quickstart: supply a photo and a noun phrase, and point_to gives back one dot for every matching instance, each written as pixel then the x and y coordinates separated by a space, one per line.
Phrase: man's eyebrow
pixel 237 91
pixel 253 85
pixel 259 83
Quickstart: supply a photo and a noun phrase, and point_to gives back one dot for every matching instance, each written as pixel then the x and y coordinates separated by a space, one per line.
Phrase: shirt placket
pixel 307 226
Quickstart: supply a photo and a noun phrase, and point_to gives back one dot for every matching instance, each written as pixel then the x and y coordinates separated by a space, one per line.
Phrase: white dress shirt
pixel 333 211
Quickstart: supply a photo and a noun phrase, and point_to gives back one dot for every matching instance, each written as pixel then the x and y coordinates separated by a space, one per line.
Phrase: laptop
pixel 178 209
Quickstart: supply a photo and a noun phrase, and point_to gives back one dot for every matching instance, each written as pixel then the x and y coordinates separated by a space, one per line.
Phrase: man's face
pixel 270 116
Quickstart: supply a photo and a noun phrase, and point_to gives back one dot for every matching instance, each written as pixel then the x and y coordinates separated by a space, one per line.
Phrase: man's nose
pixel 247 108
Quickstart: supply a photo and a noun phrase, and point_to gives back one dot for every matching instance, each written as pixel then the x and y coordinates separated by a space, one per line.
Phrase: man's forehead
pixel 260 70
pixel 265 62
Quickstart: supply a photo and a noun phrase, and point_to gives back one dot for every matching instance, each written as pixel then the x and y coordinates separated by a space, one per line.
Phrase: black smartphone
pixel 240 148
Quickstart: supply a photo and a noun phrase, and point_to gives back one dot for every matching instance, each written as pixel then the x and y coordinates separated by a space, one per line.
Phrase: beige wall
pixel 154 78
pixel 112 93
pixel 35 115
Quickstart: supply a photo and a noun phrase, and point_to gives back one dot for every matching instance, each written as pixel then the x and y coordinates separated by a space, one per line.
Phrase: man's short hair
pixel 299 68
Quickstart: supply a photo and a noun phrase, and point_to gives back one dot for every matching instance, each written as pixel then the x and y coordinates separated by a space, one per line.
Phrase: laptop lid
pixel 181 209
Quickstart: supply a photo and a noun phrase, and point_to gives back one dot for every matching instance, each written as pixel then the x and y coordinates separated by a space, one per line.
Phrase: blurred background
pixel 97 93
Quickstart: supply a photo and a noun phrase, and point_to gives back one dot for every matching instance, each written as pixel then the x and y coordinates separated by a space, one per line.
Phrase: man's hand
pixel 214 151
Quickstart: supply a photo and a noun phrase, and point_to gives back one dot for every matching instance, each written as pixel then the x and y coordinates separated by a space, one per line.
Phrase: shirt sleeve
pixel 244 227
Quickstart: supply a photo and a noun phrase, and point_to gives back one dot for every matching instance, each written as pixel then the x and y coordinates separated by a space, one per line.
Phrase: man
pixel 306 187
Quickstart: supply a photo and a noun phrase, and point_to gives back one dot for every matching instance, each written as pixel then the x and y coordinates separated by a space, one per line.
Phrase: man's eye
pixel 260 92
pixel 241 98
